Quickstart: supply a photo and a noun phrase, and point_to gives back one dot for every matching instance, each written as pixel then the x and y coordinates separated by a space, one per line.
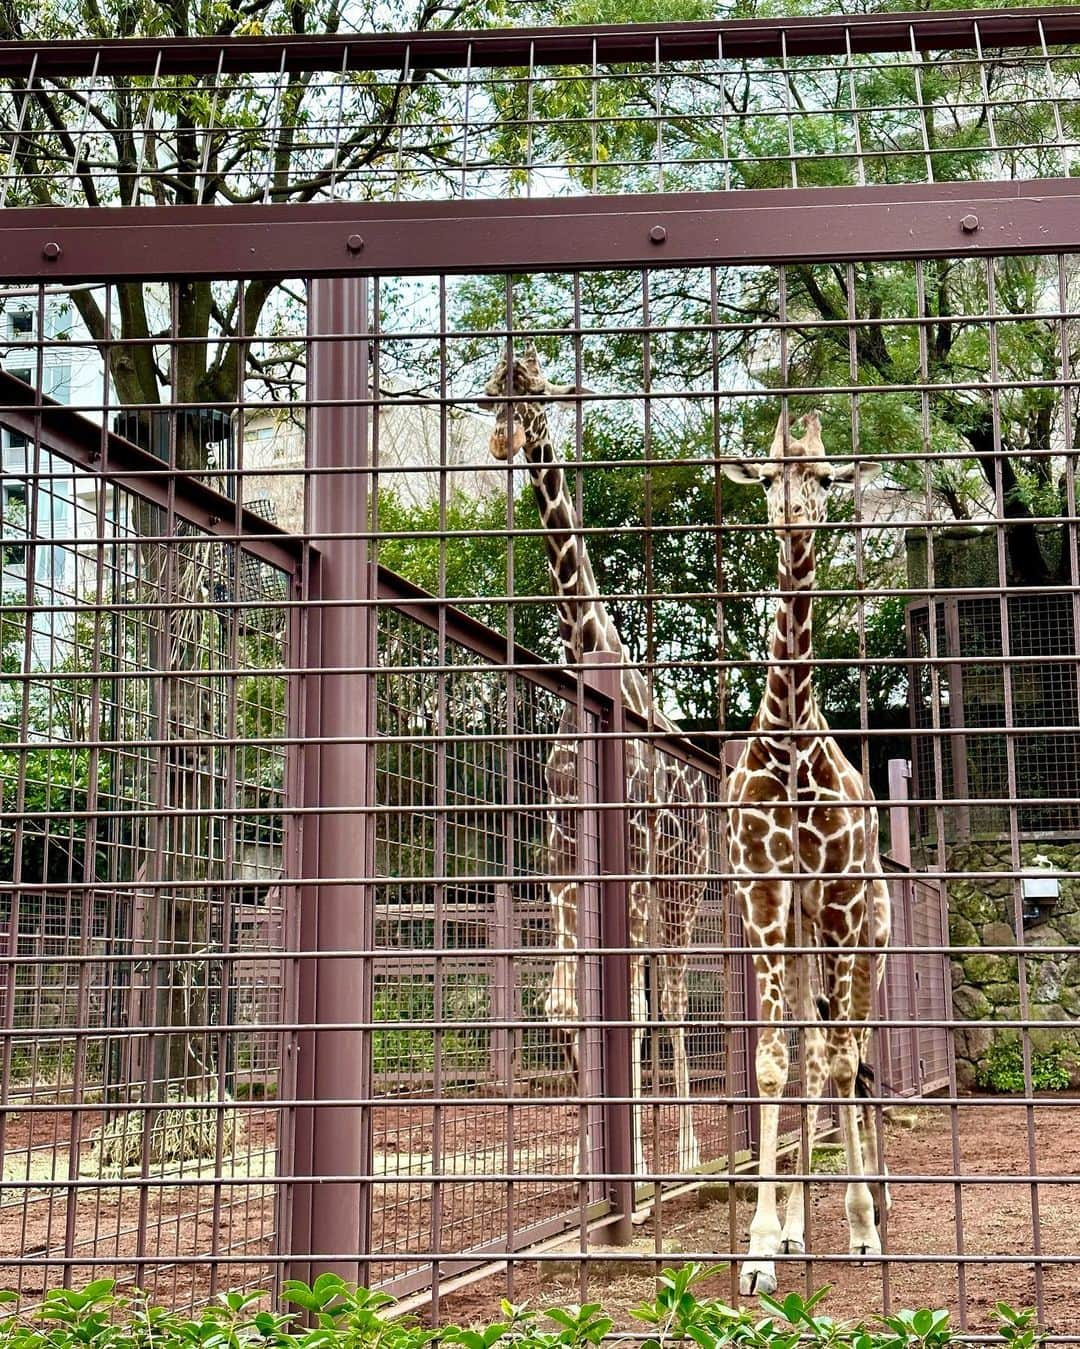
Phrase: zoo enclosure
pixel 327 846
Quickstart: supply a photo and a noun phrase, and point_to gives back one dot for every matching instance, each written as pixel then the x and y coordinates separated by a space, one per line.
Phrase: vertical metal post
pixel 957 718
pixel 503 1003
pixel 601 672
pixel 334 1218
pixel 899 825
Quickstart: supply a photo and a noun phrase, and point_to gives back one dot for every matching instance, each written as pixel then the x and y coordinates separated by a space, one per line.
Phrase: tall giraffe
pixel 668 833
pixel 771 839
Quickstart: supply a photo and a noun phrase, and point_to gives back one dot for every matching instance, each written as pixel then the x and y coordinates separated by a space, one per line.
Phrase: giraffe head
pixel 519 423
pixel 797 475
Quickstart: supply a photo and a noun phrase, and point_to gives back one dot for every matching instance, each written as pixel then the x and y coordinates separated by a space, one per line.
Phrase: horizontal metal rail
pixel 557 234
pixel 542 47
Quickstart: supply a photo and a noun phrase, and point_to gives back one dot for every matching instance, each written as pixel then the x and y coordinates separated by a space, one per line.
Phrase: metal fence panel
pixel 296 747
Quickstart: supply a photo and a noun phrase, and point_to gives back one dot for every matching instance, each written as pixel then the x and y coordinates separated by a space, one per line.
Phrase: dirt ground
pixel 114 1223
pixel 118 1221
pixel 996 1221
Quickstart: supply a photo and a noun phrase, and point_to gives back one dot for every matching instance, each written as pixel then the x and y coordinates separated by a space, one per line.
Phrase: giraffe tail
pixel 864 1074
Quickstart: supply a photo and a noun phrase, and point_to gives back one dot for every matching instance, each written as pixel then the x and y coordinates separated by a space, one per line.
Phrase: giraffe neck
pixel 584 622
pixel 789 702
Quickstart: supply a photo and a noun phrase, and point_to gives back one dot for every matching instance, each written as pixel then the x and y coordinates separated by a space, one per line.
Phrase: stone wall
pixel 986 986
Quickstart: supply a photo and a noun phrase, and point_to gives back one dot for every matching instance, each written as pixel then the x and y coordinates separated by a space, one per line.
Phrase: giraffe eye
pixel 826 480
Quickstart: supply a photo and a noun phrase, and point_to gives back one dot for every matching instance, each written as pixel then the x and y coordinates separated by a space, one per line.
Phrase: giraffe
pixel 668 831
pixel 822 834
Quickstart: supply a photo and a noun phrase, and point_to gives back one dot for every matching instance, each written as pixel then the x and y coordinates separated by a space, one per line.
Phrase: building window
pixel 14 501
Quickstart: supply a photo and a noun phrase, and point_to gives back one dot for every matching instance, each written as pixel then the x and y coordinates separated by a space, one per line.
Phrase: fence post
pixel 601 672
pixel 900 843
pixel 503 1049
pixel 899 812
pixel 334 1218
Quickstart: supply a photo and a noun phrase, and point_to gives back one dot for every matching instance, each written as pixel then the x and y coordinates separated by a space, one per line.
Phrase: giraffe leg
pixel 674 1005
pixel 638 1014
pixel 868 975
pixel 561 1003
pixel 815 1071
pixel 874 1162
pixel 758 1274
pixel 843 1052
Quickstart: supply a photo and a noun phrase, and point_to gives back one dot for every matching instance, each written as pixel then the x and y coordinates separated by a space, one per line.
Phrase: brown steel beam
pixel 338 915
pixel 539 47
pixel 666 229
pixel 85 444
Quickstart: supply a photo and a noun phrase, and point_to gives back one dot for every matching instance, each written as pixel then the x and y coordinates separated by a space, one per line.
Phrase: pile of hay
pixel 180 1131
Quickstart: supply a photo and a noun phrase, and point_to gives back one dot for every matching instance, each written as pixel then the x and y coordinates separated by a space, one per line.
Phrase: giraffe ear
pixel 570 393
pixel 745 471
pixel 844 475
pixel 531 360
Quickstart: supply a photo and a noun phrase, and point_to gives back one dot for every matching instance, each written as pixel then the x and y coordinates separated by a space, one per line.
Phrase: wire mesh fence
pixel 380 648
pixel 920 98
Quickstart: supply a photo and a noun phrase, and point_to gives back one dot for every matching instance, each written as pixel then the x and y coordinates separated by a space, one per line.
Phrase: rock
pixel 1042 934
pixel 606 1271
pixel 716 1192
pixel 989 969
pixel 972 1042
pixel 1001 995
pixel 974 905
pixel 1068 924
pixel 961 931
pixel 965 1074
pixel 998 934
pixel 970 1003
pixel 1044 1040
pixel 1045 980
pixel 829 1160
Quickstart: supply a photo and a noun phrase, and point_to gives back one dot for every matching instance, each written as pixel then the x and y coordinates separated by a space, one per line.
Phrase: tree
pixel 920 120
pixel 175 140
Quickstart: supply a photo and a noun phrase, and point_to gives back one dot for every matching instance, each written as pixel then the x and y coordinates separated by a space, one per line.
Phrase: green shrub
pixel 1004 1068
pixel 330 1314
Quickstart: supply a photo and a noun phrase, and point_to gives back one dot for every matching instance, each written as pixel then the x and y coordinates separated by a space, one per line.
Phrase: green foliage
pixel 55 777
pixel 413 1049
pixel 331 1314
pixel 1003 1069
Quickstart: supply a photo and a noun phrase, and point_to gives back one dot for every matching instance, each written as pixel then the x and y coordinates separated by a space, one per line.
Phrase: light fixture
pixel 1039 891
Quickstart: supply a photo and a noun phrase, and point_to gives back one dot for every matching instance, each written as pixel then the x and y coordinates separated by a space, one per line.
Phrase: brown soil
pixel 113 1223
pixel 996 1221
pixel 116 1222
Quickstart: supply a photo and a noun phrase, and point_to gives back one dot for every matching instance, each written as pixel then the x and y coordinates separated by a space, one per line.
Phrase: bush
pixel 338 1316
pixel 1004 1068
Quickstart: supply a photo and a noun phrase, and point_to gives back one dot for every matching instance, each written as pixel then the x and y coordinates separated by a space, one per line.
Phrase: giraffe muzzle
pixel 500 447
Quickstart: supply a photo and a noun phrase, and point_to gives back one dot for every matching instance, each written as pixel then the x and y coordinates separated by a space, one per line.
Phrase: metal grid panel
pixel 956 374
pixel 461 806
pixel 702 107
pixel 143 775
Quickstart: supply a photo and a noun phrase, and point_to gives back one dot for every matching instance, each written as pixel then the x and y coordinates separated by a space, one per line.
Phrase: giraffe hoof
pixel 756 1279
pixel 793 1246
